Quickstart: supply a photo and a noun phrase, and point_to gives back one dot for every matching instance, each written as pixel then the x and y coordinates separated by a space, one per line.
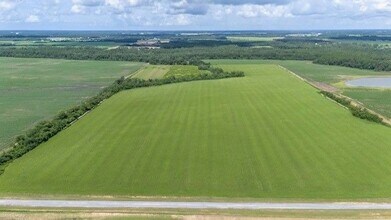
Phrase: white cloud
pixel 182 20
pixel 251 11
pixel 176 20
pixel 77 9
pixel 124 5
pixel 7 5
pixel 82 6
pixel 32 19
pixel 89 3
pixel 198 14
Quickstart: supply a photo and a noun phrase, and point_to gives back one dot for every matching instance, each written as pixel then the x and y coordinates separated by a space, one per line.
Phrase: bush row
pixel 356 111
pixel 44 130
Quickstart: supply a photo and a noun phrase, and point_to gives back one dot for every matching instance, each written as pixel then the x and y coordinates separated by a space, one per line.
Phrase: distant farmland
pixel 252 39
pixel 152 72
pixel 35 89
pixel 161 71
pixel 267 135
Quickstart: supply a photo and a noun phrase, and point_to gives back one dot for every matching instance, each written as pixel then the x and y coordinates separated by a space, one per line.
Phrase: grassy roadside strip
pixel 44 130
pixel 69 213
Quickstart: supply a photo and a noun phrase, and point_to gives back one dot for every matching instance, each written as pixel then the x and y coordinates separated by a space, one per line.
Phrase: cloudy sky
pixel 194 14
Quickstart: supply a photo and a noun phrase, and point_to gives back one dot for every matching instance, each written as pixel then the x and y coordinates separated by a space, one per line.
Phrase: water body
pixel 375 82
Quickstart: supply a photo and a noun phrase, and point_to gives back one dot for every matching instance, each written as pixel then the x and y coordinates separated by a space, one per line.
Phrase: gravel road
pixel 192 205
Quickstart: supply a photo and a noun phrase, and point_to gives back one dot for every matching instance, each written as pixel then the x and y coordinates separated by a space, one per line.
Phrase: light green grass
pixel 267 135
pixel 311 71
pixel 184 70
pixel 375 99
pixel 378 100
pixel 152 72
pixel 161 71
pixel 35 89
pixel 252 39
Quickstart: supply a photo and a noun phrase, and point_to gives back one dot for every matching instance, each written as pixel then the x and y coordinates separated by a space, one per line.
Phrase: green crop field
pixel 161 71
pixel 35 89
pixel 184 70
pixel 152 72
pixel 266 135
pixel 315 72
pixel 375 99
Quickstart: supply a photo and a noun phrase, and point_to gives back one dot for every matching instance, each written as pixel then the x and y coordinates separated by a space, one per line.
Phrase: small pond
pixel 375 82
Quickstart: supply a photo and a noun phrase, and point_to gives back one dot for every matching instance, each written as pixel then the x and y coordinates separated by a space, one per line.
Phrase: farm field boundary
pixel 32 90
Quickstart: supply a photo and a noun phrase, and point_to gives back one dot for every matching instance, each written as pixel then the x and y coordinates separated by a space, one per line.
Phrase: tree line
pixel 360 56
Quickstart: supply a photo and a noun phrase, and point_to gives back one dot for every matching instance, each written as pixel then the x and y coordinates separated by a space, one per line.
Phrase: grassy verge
pixel 40 213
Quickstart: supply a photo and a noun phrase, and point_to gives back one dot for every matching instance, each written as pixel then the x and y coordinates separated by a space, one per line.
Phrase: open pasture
pixel 265 136
pixel 35 89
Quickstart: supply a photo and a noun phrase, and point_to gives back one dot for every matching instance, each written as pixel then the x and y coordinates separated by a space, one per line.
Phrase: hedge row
pixel 44 130
pixel 356 111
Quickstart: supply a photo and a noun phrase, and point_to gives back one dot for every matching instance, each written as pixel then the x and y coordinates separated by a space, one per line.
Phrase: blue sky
pixel 194 14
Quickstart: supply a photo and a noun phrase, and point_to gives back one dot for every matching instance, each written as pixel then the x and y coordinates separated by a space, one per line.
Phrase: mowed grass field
pixel 375 99
pixel 315 72
pixel 35 89
pixel 264 136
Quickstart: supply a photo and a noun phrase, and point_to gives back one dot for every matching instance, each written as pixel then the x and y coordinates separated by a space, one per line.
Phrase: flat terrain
pixel 252 39
pixel 267 135
pixel 311 71
pixel 193 205
pixel 35 89
pixel 161 71
pixel 375 99
pixel 152 72
pixel 184 70
pixel 188 214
